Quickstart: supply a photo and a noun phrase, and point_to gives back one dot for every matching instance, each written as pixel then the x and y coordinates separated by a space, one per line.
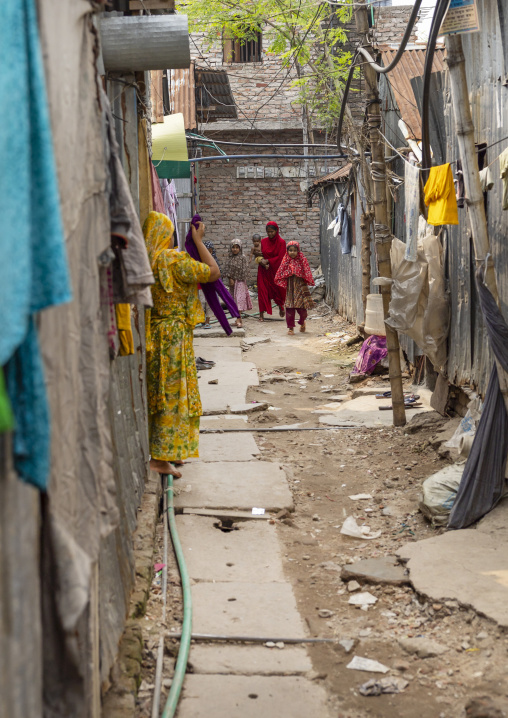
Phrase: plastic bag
pixel 467 426
pixel 439 492
pixel 419 306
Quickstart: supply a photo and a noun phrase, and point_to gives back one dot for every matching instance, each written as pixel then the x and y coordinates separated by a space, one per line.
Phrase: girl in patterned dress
pixel 174 404
pixel 236 271
pixel 295 276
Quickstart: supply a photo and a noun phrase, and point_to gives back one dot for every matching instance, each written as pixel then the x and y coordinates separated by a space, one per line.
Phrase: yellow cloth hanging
pixel 123 323
pixel 145 175
pixel 440 196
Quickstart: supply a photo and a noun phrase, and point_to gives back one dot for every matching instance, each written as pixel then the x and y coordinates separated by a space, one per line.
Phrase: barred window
pixel 236 50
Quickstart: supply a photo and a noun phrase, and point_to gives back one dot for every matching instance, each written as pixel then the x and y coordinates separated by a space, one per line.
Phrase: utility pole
pixel 382 231
pixel 464 129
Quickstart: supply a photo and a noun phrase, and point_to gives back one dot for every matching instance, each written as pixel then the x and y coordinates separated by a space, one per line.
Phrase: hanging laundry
pixel 440 196
pixel 157 198
pixel 412 204
pixel 170 206
pixel 345 234
pixel 503 167
pixel 486 179
pixel 33 264
pixel 132 273
pixel 214 292
pixel 6 417
pixel 460 191
pixel 123 322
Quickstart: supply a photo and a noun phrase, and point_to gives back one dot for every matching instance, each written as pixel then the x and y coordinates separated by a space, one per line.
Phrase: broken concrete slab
pixel 216 332
pixel 364 410
pixel 222 341
pixel 223 421
pixel 227 447
pixel 209 696
pixel 430 420
pixel 384 569
pixel 247 609
pixel 248 660
pixel 252 341
pixel 469 565
pixel 228 514
pixel 218 354
pixel 422 647
pixel 234 485
pixel 251 549
pixel 234 380
pixel 248 408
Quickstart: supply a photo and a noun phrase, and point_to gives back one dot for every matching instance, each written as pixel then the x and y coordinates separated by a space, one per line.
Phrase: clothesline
pixel 453 161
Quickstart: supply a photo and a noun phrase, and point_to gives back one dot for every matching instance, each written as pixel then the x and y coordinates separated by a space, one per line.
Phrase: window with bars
pixel 236 50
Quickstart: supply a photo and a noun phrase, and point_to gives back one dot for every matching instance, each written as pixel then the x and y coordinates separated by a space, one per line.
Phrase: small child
pixel 236 271
pixel 255 252
pixel 295 276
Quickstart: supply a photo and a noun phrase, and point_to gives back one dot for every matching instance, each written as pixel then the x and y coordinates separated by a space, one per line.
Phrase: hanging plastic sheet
pixel 483 480
pixel 412 205
pixel 419 306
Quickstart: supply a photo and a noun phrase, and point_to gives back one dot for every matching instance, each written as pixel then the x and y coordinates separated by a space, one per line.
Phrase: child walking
pixel 236 271
pixel 295 275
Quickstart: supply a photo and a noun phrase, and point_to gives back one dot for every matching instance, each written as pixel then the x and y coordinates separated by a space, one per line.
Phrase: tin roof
pixel 410 66
pixel 201 94
pixel 214 99
pixel 340 174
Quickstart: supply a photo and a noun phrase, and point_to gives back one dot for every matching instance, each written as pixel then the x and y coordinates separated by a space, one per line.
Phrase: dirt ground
pixel 324 468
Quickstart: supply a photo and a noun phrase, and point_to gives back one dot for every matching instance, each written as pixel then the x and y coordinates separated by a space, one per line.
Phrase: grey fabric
pixel 133 275
pixel 345 233
pixel 482 484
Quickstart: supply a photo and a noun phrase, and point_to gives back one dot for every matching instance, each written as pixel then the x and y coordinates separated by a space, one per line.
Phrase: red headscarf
pixel 273 249
pixel 298 266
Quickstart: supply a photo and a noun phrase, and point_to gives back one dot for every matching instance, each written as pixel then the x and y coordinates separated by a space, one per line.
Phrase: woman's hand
pixel 199 232
pixel 265 263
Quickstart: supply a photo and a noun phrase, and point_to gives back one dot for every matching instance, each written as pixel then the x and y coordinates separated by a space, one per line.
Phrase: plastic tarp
pixel 482 484
pixel 419 306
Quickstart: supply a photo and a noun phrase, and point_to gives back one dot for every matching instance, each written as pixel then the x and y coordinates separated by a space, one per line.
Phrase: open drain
pixel 225 525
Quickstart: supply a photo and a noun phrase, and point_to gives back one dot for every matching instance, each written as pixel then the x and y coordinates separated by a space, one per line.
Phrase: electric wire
pixel 437 19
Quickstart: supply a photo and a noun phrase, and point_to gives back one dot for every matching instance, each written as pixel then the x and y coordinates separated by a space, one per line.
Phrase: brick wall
pixel 233 207
pixel 254 83
pixel 390 24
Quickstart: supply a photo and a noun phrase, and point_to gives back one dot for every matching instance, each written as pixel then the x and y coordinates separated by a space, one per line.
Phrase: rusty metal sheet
pixel 338 175
pixel 182 95
pixel 411 65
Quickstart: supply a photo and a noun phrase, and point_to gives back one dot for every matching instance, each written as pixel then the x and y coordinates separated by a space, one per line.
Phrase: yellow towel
pixel 440 196
pixel 123 323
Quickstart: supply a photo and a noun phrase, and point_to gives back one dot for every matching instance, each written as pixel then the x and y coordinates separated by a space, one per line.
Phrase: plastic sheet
pixel 482 484
pixel 419 306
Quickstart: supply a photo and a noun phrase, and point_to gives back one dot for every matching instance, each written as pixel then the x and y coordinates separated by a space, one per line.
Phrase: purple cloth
pixel 213 291
pixel 372 352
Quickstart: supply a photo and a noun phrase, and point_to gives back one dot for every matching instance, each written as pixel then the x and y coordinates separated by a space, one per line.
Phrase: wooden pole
pixel 464 129
pixel 382 231
pixel 365 224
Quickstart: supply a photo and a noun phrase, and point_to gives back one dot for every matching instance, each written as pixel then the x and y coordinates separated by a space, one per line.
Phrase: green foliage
pixel 308 36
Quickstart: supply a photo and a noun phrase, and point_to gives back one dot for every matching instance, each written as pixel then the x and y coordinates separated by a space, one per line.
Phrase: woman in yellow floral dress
pixel 174 404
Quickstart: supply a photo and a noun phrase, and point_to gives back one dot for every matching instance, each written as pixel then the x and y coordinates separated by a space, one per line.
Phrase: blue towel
pixel 33 264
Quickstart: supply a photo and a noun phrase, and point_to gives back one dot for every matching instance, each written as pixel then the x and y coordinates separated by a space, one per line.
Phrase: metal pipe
pixel 250 639
pixel 160 651
pixel 186 633
pixel 270 157
pixel 281 428
pixel 271 144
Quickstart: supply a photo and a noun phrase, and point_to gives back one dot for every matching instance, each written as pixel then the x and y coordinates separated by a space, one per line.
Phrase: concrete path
pixel 235 564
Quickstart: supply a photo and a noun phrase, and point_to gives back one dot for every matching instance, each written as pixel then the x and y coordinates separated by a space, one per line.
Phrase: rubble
pixel 383 570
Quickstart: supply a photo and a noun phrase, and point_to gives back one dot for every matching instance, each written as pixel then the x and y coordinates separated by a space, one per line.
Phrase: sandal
pixel 202 367
pixel 205 361
pixel 291 332
pixel 303 328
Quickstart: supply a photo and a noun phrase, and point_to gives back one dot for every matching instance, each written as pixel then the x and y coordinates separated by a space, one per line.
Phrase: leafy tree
pixel 308 37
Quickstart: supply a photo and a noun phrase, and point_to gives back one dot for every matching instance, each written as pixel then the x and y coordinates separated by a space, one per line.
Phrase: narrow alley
pixel 289 573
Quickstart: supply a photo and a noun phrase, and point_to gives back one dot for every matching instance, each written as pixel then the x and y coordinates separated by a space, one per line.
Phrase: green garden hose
pixel 183 653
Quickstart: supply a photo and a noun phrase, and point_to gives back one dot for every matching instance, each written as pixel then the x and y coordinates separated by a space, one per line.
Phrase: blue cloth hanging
pixel 33 264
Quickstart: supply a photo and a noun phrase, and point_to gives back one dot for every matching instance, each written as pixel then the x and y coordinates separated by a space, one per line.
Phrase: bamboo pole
pixel 464 129
pixel 382 232
pixel 366 254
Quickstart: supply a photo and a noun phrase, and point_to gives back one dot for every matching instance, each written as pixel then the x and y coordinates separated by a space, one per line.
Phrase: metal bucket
pixel 153 42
